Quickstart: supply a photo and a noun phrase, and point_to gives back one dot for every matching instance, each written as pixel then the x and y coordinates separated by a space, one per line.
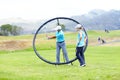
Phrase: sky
pixel 43 9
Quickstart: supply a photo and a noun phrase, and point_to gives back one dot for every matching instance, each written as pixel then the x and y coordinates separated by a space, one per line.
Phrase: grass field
pixel 102 61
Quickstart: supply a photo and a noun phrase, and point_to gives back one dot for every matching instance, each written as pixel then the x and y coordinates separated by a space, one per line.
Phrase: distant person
pixel 99 39
pixel 102 41
pixel 81 38
pixel 60 43
pixel 107 31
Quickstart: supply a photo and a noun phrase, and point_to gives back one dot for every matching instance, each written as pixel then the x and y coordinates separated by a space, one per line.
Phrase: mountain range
pixel 93 20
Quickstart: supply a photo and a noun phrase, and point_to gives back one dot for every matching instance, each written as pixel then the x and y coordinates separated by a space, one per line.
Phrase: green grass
pixel 114 33
pixel 103 62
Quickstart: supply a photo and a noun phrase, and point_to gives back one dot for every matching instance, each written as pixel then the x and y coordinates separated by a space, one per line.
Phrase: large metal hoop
pixel 38 54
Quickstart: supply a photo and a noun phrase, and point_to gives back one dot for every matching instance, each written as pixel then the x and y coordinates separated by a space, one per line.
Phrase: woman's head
pixel 78 27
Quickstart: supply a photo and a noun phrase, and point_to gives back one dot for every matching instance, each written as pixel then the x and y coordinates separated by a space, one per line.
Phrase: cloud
pixel 40 9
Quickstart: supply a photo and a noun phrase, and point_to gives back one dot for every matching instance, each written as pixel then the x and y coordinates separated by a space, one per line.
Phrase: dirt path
pixel 15 44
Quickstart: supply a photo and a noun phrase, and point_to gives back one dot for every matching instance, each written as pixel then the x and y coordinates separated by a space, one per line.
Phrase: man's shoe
pixel 69 64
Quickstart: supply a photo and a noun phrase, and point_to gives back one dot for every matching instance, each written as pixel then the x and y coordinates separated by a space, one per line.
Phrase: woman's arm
pixel 80 36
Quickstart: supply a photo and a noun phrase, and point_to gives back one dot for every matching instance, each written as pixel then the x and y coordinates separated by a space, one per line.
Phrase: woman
pixel 81 38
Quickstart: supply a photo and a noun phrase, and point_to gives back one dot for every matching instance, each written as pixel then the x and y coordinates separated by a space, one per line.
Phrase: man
pixel 60 43
pixel 81 38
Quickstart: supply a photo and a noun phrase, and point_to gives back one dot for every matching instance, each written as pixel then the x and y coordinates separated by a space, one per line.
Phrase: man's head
pixel 58 28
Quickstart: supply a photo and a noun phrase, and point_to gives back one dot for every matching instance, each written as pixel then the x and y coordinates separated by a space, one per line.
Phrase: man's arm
pixel 51 37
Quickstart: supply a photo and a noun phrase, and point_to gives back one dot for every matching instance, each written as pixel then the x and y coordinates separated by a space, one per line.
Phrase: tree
pixel 63 27
pixel 8 29
pixel 16 30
